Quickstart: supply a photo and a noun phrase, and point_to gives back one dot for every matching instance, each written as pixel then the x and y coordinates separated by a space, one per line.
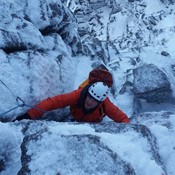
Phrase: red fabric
pixel 101 75
pixel 70 99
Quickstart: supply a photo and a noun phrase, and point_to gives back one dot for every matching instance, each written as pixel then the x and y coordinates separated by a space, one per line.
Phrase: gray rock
pixel 167 1
pixel 88 145
pixel 18 22
pixel 151 83
pixel 62 146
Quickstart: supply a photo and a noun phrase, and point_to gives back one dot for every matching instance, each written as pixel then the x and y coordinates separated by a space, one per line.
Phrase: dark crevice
pixel 13 49
pixel 48 30
pixel 2 165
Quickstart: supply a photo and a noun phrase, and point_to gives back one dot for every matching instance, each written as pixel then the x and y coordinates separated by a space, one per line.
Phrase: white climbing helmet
pixel 99 91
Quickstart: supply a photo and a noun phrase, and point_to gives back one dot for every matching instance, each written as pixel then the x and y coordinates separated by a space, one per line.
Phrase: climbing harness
pixel 19 101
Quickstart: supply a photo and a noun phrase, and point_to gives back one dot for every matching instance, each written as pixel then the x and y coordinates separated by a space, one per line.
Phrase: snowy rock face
pixel 39 43
pixel 126 25
pixel 151 83
pixel 24 25
pixel 82 153
pixel 44 147
pixel 168 1
pixel 131 33
pixel 38 39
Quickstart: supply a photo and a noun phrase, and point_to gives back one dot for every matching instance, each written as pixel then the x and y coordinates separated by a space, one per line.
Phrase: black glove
pixel 21 117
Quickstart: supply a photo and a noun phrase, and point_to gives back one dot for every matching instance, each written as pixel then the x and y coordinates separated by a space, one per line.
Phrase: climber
pixel 88 104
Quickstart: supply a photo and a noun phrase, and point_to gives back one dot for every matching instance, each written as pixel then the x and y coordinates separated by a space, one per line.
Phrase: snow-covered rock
pixel 24 25
pixel 151 84
pixel 38 40
pixel 47 147
pixel 46 47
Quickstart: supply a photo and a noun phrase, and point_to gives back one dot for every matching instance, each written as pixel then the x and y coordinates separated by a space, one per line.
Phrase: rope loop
pixel 20 102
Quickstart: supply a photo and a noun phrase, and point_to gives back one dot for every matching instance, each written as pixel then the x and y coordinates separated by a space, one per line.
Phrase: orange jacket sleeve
pixel 53 103
pixel 113 112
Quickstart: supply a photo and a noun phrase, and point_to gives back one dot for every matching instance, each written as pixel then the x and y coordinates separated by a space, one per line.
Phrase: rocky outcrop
pixel 38 41
pixel 71 148
pixel 167 1
pixel 151 84
pixel 126 24
pixel 22 19
pixel 89 148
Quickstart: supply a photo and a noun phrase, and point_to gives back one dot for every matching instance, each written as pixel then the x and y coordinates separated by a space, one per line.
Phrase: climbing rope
pixel 19 101
pixel 8 88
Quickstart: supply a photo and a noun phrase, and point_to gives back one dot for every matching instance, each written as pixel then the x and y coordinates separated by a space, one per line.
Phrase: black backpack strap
pixel 81 100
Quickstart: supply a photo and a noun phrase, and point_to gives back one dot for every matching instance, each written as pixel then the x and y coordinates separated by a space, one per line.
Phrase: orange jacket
pixel 71 99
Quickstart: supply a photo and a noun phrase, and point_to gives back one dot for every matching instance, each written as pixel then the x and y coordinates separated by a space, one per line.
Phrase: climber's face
pixel 90 102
